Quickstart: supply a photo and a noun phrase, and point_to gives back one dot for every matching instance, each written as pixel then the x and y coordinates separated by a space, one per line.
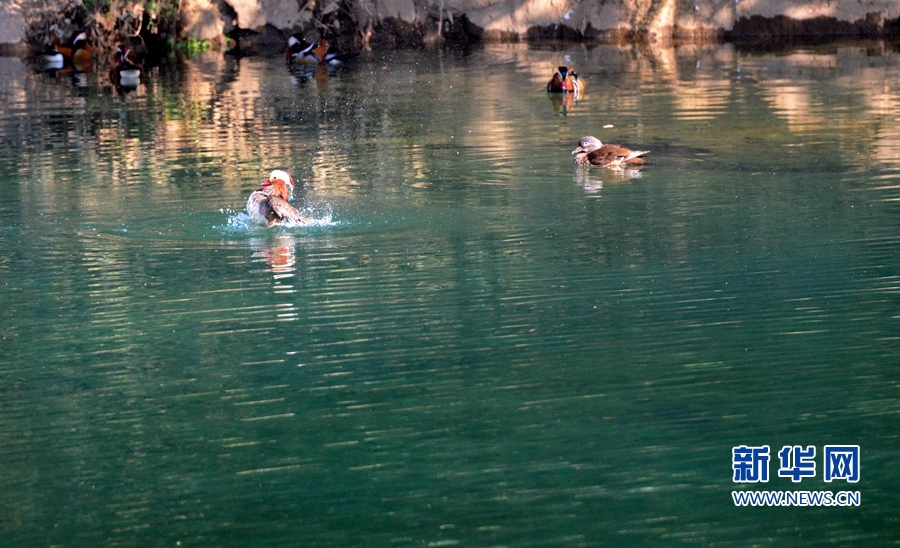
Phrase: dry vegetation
pixel 107 22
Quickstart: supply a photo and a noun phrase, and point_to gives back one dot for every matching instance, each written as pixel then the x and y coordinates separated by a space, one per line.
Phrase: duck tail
pixel 634 154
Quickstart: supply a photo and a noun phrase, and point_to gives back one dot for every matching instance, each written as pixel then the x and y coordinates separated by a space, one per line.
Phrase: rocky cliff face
pixel 403 21
pixel 393 22
pixel 12 27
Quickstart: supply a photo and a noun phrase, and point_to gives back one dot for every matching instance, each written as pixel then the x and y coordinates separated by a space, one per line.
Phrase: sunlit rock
pixel 202 20
pixel 12 26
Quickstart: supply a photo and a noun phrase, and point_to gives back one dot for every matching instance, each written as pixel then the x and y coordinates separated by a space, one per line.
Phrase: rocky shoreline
pixel 262 25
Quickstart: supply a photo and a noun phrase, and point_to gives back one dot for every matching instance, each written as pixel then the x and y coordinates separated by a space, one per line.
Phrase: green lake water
pixel 476 344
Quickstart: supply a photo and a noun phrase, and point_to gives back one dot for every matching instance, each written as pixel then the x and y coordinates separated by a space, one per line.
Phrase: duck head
pixel 80 41
pixel 297 40
pixel 280 184
pixel 122 53
pixel 297 46
pixel 587 144
pixel 125 57
pixel 562 72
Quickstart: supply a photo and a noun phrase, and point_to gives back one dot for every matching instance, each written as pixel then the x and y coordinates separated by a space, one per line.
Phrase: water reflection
pixel 469 347
pixel 563 103
pixel 591 179
pixel 278 254
pixel 319 74
pixel 588 179
pixel 713 88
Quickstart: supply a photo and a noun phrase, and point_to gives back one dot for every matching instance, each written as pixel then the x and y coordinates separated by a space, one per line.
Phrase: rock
pixel 266 39
pixel 12 28
pixel 203 20
pixel 390 23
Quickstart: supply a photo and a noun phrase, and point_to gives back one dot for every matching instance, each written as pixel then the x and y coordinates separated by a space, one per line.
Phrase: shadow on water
pixel 480 344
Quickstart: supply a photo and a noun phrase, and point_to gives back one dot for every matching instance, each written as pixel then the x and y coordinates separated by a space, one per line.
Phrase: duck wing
pixel 259 209
pixel 285 212
pixel 633 159
pixel 615 155
pixel 335 58
pixel 555 85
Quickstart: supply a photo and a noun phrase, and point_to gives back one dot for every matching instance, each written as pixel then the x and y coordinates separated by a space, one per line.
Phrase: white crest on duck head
pixel 296 40
pixel 285 177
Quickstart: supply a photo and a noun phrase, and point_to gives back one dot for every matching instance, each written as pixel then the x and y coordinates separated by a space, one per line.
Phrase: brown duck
pixel 591 152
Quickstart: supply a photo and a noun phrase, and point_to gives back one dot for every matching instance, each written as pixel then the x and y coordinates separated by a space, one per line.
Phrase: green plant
pixel 192 46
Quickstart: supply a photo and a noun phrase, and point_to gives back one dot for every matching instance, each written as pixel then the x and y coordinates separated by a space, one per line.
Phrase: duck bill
pixel 577 150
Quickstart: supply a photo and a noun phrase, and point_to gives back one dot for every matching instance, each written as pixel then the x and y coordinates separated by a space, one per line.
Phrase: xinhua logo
pixel 750 464
pixel 842 462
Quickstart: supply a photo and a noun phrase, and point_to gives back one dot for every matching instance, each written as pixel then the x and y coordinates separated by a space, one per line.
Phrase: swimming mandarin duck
pixel 270 205
pixel 53 58
pixel 126 72
pixel 301 52
pixel 565 81
pixel 79 52
pixel 591 152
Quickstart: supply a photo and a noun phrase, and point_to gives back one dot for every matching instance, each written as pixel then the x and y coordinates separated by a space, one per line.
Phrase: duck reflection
pixel 563 103
pixel 301 75
pixel 590 181
pixel 279 254
pixel 78 79
pixel 587 179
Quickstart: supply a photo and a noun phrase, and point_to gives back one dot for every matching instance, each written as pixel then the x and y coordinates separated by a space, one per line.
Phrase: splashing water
pixel 320 215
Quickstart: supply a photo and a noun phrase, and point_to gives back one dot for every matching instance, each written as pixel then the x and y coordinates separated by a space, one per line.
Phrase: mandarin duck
pixel 565 81
pixel 78 52
pixel 270 205
pixel 301 52
pixel 126 72
pixel 591 152
pixel 53 57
